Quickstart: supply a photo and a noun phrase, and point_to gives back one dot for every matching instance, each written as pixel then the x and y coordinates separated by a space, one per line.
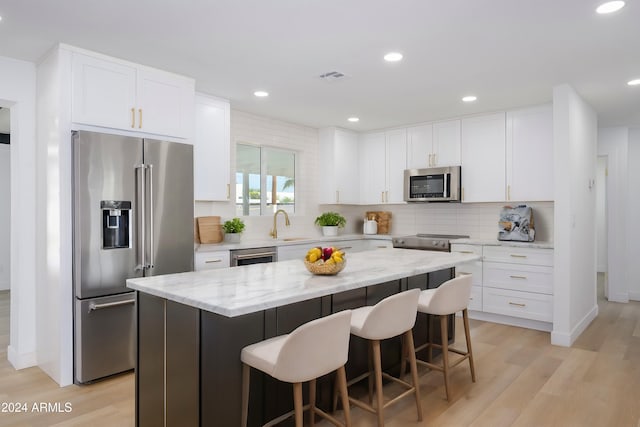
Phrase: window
pixel 265 180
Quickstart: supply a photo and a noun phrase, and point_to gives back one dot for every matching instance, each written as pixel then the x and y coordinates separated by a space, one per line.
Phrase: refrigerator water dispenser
pixel 116 215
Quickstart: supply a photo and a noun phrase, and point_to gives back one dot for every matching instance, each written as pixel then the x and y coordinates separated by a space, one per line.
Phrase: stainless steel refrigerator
pixel 133 217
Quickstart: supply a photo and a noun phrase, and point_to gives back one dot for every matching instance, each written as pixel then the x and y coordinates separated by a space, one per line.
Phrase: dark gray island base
pixel 188 370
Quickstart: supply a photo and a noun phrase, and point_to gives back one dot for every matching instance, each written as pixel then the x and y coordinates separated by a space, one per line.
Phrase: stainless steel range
pixel 426 242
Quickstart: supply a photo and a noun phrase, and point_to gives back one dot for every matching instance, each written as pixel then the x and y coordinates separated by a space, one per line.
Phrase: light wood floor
pixel 522 381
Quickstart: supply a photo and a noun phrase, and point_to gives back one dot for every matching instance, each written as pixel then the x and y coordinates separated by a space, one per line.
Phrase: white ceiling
pixel 509 53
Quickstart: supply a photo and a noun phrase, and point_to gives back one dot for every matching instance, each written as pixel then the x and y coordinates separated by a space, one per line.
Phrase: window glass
pixel 265 180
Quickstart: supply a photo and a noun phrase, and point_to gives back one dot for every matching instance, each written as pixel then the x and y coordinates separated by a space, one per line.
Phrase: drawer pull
pixel 466 252
pixel 211 261
pixel 517 304
pixel 382 247
pixel 518 256
pixel 518 277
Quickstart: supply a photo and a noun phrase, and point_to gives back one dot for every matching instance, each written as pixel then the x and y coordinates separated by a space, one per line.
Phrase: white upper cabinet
pixel 372 148
pixel 483 147
pixel 433 145
pixel 383 159
pixel 338 167
pixel 111 93
pixel 529 160
pixel 396 150
pixel 211 149
pixel 446 143
pixel 419 146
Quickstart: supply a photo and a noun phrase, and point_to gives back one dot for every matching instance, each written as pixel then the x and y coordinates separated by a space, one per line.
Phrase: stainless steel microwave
pixel 432 184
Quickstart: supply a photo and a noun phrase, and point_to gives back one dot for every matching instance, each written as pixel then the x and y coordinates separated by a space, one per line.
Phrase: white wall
pixel 18 91
pixel 54 297
pixel 614 143
pixel 5 216
pixel 633 207
pixel 258 130
pixel 575 151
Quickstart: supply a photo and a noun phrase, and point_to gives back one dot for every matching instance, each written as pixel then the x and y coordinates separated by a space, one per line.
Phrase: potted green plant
pixel 233 229
pixel 330 222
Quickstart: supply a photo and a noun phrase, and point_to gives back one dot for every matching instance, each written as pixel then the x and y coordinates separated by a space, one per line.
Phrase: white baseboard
pixel 511 321
pixel 634 296
pixel 618 297
pixel 20 361
pixel 565 339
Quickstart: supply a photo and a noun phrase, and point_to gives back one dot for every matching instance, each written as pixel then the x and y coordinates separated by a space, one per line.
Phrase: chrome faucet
pixel 274 231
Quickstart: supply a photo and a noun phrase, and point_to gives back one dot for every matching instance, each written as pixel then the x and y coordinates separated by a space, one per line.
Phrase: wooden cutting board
pixel 209 229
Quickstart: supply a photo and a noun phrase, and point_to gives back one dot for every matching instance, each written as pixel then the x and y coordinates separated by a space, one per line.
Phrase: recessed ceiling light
pixel 610 7
pixel 469 98
pixel 393 57
pixel 261 93
pixel 634 82
pixel 353 119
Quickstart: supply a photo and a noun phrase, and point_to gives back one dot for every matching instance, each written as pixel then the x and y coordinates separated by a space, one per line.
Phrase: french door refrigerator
pixel 133 217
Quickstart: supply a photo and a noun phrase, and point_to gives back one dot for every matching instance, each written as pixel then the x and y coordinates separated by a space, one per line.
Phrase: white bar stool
pixel 309 352
pixel 449 298
pixel 391 317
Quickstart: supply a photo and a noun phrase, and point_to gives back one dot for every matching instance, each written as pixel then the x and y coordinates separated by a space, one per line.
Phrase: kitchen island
pixel 192 326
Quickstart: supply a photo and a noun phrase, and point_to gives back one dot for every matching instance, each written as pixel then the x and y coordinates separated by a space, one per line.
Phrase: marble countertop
pixel 235 291
pixel 260 243
pixel 495 242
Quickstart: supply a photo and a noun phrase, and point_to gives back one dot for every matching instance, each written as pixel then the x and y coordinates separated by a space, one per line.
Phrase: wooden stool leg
pixel 342 381
pixel 445 352
pixel 377 365
pixel 414 370
pixel 430 340
pixel 297 403
pixel 312 402
pixel 246 376
pixel 336 389
pixel 467 334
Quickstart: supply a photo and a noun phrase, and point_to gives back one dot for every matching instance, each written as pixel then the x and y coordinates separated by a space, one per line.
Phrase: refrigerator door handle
pixel 151 218
pixel 94 306
pixel 140 217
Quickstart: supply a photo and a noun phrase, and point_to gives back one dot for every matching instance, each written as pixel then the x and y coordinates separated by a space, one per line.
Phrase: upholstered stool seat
pixel 447 299
pixel 309 352
pixel 391 317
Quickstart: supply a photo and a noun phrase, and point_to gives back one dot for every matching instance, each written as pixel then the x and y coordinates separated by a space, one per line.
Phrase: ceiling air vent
pixel 332 76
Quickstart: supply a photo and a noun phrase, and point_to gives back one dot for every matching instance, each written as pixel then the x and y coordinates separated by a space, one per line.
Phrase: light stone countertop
pixel 260 243
pixel 495 242
pixel 235 291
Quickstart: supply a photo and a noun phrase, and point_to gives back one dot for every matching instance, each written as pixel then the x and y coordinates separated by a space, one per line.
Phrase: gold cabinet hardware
pixel 139 118
pixel 508 192
pixel 211 261
pixel 386 196
pixel 435 159
pixel 518 256
pixel 517 304
pixel 382 197
pixel 430 159
pixel 133 117
pixel 465 252
pixel 518 277
pixel 337 196
pixel 382 247
pixel 228 191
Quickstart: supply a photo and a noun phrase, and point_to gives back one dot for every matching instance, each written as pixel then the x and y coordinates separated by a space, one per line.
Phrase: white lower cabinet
pixel 510 281
pixel 211 260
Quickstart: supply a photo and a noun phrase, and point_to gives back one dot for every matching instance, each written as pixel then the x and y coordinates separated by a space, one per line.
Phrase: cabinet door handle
pixel 518 277
pixel 465 252
pixel 228 191
pixel 517 304
pixel 430 159
pixel 337 196
pixel 518 256
pixel 133 118
pixel 140 118
pixel 435 159
pixel 211 261
pixel 386 197
pixel 508 192
pixel 382 247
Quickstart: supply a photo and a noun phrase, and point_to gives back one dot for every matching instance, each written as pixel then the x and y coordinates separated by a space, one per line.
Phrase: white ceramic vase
pixel 330 230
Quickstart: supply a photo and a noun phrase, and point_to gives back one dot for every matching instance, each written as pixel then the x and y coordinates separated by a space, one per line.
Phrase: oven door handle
pixel 255 255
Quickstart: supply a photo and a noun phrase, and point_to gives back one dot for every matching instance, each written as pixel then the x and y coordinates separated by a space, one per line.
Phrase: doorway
pixel 601 222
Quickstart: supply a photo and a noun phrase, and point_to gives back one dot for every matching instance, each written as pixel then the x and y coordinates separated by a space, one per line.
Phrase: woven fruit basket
pixel 325 268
